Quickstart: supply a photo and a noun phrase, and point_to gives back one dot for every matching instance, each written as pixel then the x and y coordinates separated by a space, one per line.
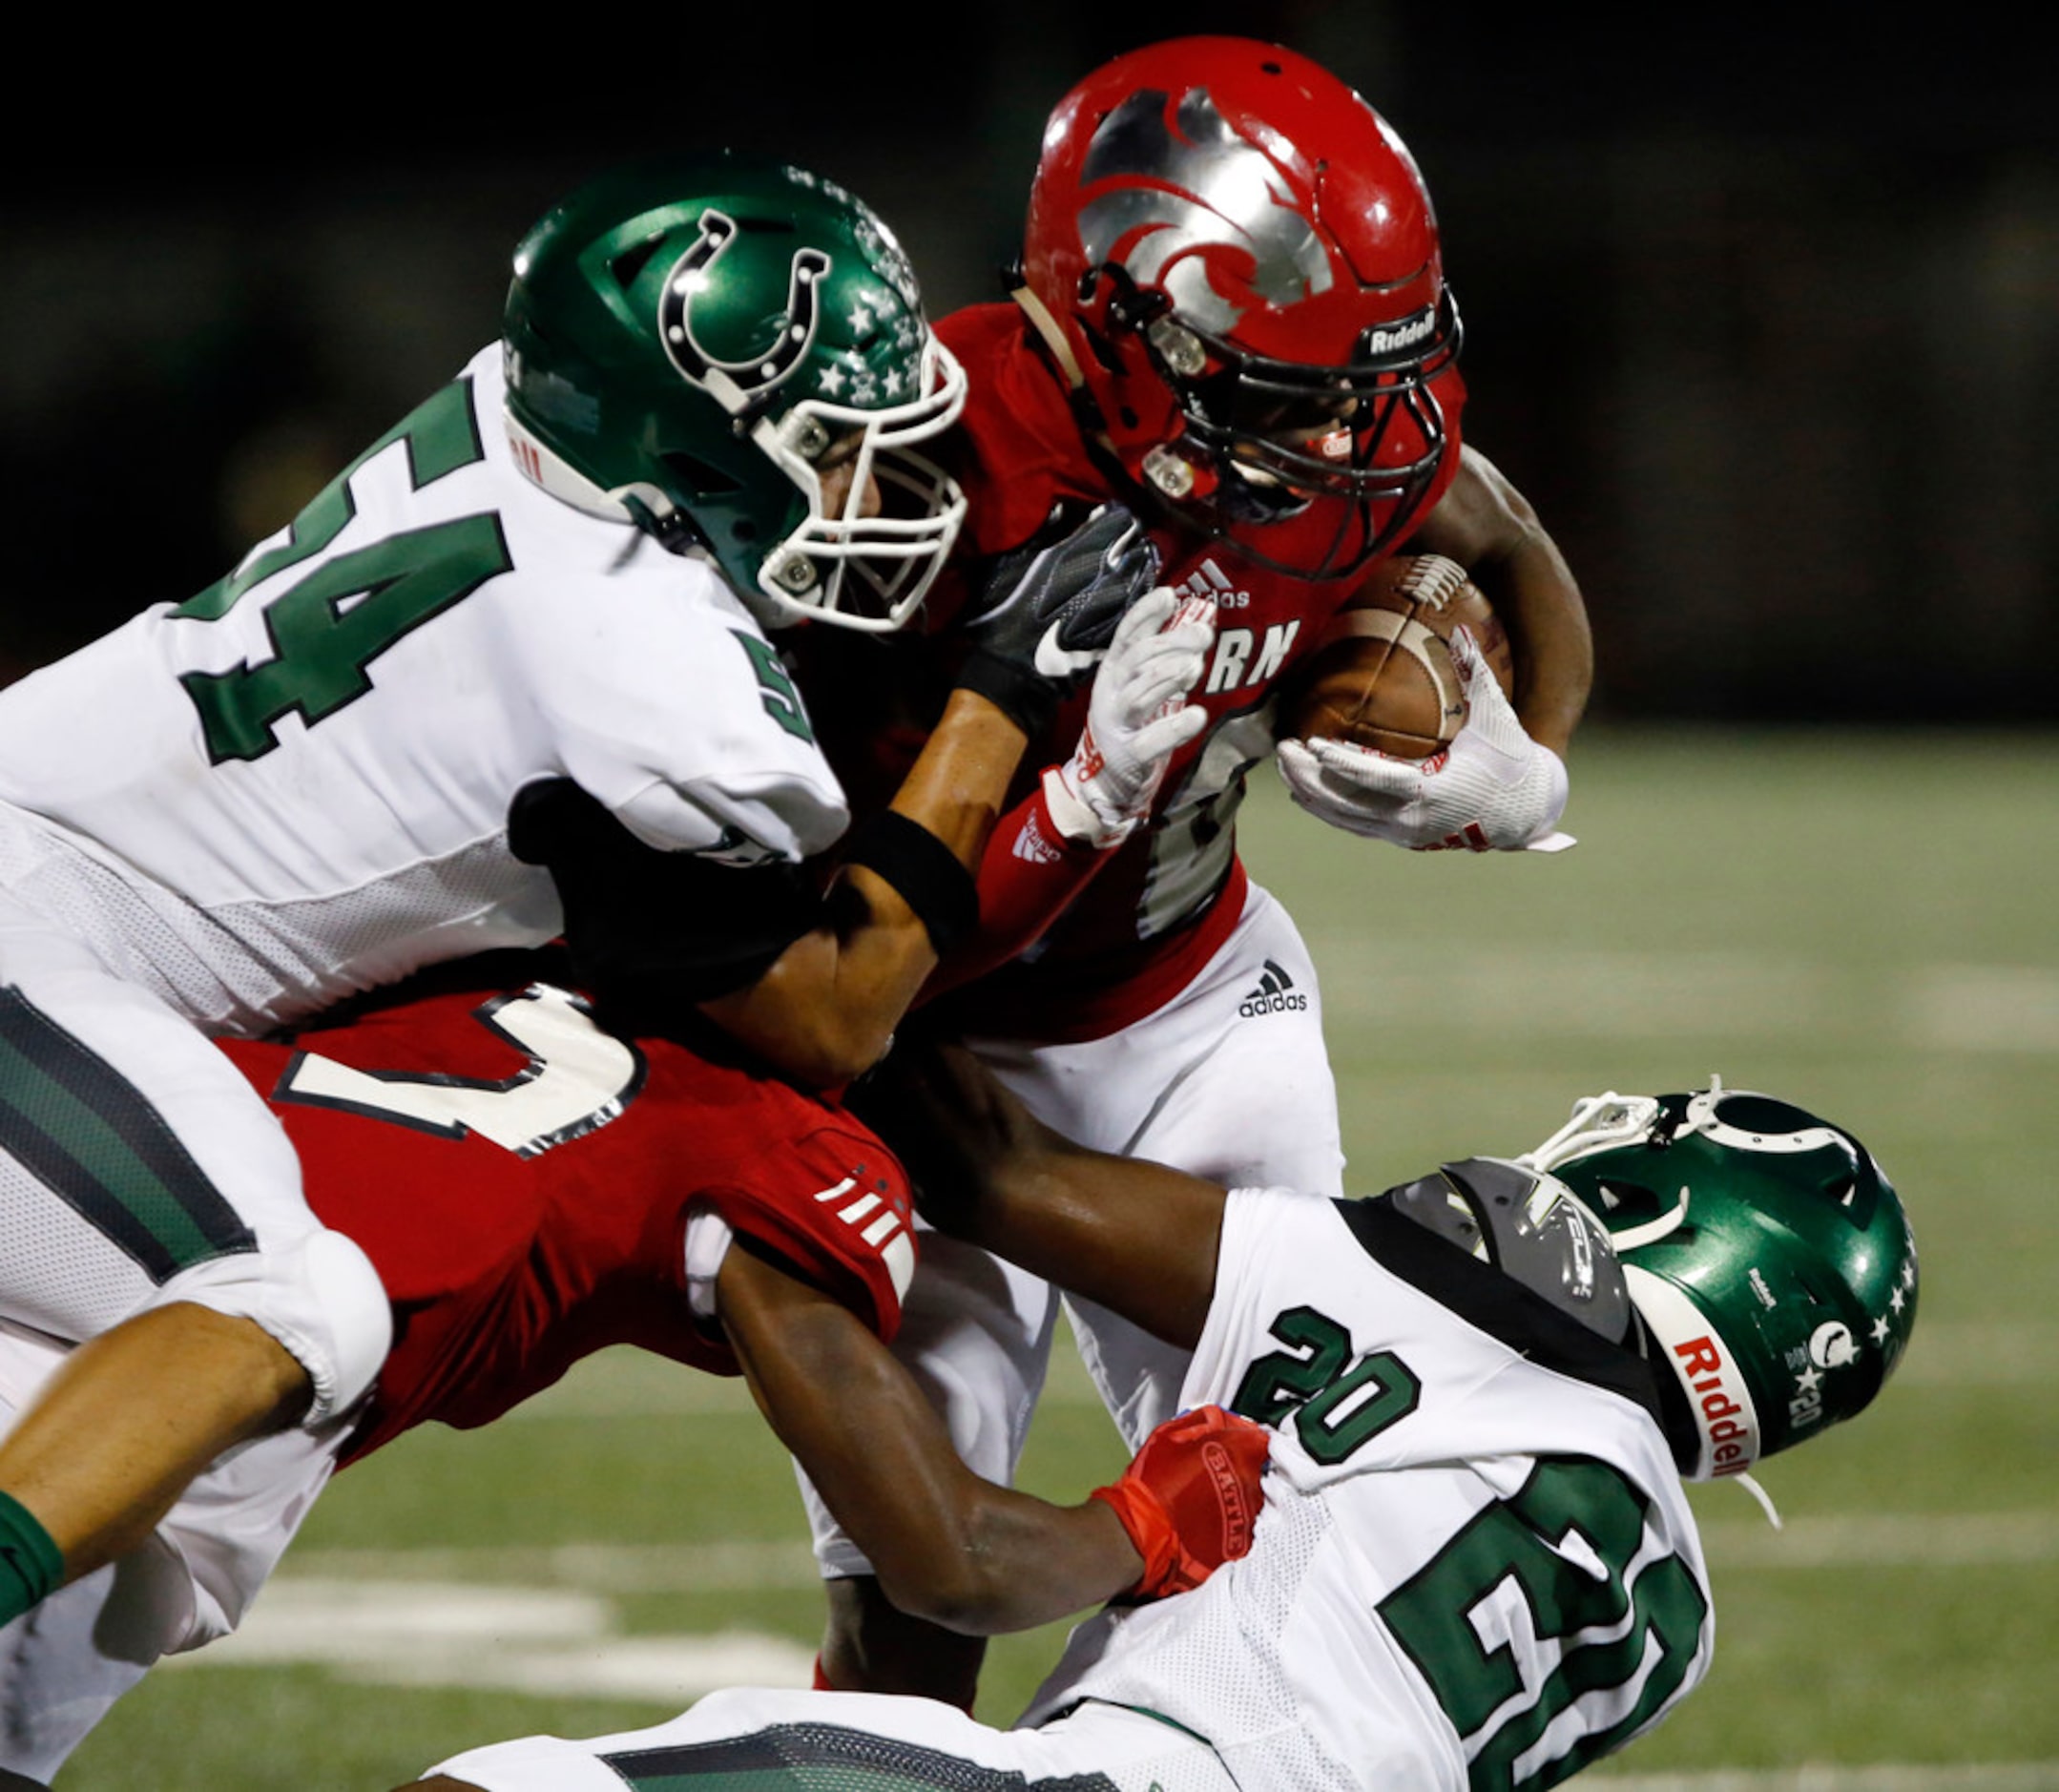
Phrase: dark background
pixel 1762 308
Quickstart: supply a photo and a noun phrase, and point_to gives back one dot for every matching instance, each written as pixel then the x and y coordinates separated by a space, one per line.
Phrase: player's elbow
pixel 963 1566
pixel 956 1591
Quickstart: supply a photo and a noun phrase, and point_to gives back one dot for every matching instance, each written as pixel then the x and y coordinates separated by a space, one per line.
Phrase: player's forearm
pixel 947 1547
pixel 1135 1236
pixel 1532 591
pixel 1017 1563
pixel 959 782
pixel 1488 527
pixel 826 1009
pixel 100 1468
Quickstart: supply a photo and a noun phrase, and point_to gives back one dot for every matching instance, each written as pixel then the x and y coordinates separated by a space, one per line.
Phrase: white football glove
pixel 1493 788
pixel 1137 717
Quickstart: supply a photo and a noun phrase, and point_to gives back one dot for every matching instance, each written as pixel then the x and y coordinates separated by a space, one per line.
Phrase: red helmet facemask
pixel 1236 262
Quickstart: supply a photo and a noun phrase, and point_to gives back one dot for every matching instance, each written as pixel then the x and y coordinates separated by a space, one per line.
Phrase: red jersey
pixel 1151 913
pixel 522 1179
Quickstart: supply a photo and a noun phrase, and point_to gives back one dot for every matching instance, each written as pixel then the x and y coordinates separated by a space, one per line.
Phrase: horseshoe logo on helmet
pixel 737 384
pixel 1230 195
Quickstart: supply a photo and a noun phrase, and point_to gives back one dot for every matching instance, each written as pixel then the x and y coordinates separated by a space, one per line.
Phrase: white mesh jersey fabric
pixel 62 1274
pixel 245 967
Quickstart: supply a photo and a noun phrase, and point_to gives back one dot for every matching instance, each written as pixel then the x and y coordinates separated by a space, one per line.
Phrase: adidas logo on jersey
pixel 877 1222
pixel 1032 846
pixel 1276 994
pixel 1207 580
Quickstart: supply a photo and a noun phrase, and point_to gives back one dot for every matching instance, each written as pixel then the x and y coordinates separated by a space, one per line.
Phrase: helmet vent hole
pixel 630 262
pixel 1763 1115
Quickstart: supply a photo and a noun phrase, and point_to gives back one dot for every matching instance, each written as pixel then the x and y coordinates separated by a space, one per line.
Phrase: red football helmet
pixel 1236 260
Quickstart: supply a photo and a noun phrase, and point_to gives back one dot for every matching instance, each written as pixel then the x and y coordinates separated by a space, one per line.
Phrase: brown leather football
pixel 1380 675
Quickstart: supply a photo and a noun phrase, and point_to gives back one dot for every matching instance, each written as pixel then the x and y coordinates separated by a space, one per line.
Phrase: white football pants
pixel 63 1665
pixel 791 1742
pixel 139 1167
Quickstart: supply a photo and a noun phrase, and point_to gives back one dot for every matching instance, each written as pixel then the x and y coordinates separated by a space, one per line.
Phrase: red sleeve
pixel 1031 874
pixel 834 1206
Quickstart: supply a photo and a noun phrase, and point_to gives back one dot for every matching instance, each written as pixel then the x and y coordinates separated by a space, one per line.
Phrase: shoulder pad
pixel 1529 1226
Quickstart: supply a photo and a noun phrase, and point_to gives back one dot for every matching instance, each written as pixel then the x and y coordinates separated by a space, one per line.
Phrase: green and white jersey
pixel 296 783
pixel 1476 1566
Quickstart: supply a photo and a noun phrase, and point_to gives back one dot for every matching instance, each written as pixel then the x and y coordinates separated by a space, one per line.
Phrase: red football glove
pixel 1190 1497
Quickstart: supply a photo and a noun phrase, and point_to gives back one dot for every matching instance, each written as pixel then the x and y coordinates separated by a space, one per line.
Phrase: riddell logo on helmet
pixel 1727 1421
pixel 1378 342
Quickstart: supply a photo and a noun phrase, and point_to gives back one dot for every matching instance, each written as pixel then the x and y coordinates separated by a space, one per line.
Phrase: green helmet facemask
pixel 1767 1255
pixel 693 345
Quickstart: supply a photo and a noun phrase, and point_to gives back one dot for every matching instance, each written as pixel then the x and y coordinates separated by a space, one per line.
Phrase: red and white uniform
pixel 1159 1002
pixel 531 1190
pixel 513 1258
pixel 1160 906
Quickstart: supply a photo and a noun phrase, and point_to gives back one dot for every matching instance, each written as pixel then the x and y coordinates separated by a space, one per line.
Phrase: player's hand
pixel 1492 789
pixel 1137 717
pixel 1190 1498
pixel 1047 612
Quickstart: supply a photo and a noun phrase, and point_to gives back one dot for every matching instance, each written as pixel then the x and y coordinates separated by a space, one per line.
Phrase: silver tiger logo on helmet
pixel 1231 196
pixel 737 384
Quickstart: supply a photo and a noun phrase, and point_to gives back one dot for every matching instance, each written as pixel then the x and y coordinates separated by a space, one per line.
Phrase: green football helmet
pixel 1766 1254
pixel 690 345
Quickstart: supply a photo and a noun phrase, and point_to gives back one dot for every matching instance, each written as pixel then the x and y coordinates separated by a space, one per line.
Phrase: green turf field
pixel 1864 925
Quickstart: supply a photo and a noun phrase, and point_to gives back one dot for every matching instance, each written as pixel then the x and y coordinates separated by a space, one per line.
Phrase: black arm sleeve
pixel 653 934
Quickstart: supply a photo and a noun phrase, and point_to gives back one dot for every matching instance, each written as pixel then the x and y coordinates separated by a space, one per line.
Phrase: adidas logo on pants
pixel 1276 993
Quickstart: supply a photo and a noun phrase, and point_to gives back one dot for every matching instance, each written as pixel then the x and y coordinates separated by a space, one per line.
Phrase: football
pixel 1381 673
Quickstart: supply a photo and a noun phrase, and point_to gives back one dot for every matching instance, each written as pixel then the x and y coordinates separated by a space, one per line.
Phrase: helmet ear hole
pixel 1620 1202
pixel 701 477
pixel 1104 351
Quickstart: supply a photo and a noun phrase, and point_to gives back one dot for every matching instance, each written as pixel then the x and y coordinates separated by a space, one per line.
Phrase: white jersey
pixel 1476 1566
pixel 296 783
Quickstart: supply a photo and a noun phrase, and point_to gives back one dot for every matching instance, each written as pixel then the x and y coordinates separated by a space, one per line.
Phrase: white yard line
pixel 412 1633
pixel 601 1568
pixel 1975 1008
pixel 1888 1540
pixel 1878 1541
